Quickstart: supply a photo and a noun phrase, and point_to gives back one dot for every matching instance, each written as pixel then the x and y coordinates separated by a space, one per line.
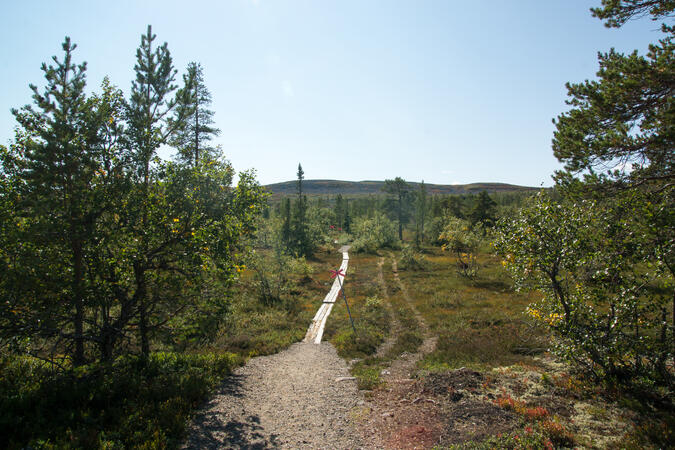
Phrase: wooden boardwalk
pixel 315 331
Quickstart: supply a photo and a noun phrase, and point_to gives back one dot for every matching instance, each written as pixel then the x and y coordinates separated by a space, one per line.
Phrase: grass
pixel 479 322
pixel 481 325
pixel 371 319
pixel 254 328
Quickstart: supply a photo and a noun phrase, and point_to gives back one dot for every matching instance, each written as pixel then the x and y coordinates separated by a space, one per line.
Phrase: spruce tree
pixel 420 214
pixel 301 176
pixel 400 190
pixel 194 99
pixel 301 245
pixel 484 211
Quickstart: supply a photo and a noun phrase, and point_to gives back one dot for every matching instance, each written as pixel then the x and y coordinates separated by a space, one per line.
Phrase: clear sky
pixel 443 91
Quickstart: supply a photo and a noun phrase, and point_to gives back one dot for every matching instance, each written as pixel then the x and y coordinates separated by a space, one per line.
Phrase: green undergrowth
pixel 133 402
pixel 368 372
pixel 528 438
pixel 373 321
pixel 480 321
pixel 263 326
pixel 410 335
pixel 138 402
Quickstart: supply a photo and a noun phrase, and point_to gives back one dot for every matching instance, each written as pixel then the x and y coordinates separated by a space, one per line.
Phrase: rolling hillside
pixel 334 187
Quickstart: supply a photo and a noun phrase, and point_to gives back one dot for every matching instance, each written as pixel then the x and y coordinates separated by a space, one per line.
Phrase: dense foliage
pixel 605 285
pixel 103 240
pixel 109 251
pixel 133 402
pixel 603 254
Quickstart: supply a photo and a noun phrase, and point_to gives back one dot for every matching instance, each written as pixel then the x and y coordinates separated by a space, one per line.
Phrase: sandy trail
pixel 294 399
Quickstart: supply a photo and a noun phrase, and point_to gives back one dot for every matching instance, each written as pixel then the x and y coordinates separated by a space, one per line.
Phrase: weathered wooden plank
pixel 316 328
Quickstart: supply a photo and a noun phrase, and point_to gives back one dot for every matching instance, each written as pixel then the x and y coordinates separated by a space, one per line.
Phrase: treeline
pixel 104 247
pixel 301 225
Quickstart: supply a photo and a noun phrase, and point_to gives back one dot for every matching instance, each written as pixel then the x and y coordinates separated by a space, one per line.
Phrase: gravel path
pixel 294 399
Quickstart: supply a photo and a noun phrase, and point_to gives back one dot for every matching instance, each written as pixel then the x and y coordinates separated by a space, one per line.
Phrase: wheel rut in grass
pixel 395 328
pixel 398 415
pixel 405 365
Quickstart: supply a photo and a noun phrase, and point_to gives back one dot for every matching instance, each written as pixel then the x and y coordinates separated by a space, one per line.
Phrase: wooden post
pixel 346 304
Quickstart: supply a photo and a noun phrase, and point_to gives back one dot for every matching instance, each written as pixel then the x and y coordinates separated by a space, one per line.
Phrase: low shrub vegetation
pixel 132 402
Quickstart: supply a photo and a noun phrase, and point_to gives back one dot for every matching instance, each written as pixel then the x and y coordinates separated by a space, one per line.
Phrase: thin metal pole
pixel 347 304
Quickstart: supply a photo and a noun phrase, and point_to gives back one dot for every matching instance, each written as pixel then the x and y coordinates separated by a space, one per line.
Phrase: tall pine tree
pixel 150 126
pixel 58 162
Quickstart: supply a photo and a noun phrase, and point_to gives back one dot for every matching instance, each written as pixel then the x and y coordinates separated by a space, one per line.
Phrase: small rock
pixel 388 414
pixel 345 378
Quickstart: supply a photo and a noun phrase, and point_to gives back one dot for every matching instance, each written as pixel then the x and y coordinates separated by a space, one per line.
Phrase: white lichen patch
pixel 600 424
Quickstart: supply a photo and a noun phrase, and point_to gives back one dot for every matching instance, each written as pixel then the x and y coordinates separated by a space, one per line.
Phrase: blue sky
pixel 442 91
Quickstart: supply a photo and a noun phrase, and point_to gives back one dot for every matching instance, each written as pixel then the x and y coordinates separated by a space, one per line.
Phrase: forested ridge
pixel 491 315
pixel 335 187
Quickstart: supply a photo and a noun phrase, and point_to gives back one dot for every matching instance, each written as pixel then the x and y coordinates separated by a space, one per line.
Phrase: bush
pixel 133 402
pixel 459 238
pixel 372 234
pixel 606 286
pixel 412 259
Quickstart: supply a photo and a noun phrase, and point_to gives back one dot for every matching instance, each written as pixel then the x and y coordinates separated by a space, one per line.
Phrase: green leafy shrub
pixel 371 234
pixel 132 402
pixel 412 259
pixel 607 286
pixel 459 238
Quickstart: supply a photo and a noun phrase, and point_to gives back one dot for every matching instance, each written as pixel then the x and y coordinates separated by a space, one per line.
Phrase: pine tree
pixel 150 126
pixel 59 159
pixel 621 127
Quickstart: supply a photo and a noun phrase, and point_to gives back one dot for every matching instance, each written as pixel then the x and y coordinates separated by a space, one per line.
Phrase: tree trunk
pixel 142 310
pixel 78 358
pixel 400 217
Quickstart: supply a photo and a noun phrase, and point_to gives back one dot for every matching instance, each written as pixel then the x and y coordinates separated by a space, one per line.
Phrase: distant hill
pixel 334 187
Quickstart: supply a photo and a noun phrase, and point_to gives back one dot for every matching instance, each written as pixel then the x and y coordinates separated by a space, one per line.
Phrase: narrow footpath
pixel 302 397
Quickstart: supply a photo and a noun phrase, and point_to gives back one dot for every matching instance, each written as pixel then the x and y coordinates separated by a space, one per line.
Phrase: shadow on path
pixel 216 429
